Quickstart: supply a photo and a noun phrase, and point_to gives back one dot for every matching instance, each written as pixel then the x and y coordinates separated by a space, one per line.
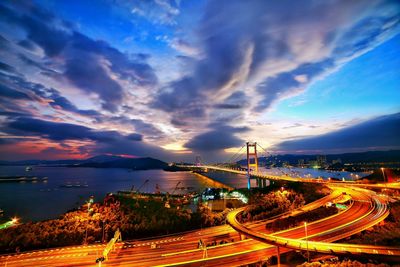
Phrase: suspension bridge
pixel 250 152
pixel 251 171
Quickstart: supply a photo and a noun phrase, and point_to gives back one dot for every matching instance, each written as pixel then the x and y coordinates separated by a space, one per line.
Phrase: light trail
pixel 375 214
pixel 176 250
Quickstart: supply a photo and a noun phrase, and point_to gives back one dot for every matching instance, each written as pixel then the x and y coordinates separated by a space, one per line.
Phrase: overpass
pixel 181 249
pixel 376 213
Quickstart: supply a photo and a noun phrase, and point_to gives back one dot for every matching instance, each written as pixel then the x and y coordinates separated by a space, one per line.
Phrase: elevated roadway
pixel 264 175
pixel 181 249
pixel 362 218
pixel 174 248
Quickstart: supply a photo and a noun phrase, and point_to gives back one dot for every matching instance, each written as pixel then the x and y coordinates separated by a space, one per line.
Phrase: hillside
pixel 128 163
pixel 101 161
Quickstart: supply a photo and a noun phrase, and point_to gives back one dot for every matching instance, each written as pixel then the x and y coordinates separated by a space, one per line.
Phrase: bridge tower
pixel 252 160
pixel 198 161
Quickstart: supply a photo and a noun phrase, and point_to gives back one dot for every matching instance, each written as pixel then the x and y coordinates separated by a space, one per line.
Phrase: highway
pixel 362 218
pixel 181 249
pixel 169 245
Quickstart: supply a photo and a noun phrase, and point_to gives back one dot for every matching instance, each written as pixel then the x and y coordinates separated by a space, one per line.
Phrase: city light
pixel 383 174
pixel 14 220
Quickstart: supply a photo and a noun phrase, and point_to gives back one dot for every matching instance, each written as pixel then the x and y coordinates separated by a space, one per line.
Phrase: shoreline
pixel 22 178
pixel 208 179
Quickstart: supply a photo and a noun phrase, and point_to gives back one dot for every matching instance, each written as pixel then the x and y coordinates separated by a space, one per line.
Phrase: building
pixel 300 163
pixel 321 161
pixel 336 161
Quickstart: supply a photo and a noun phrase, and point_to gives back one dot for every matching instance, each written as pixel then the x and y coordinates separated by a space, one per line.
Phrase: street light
pixel 384 178
pixel 383 174
pixel 308 252
pixel 88 214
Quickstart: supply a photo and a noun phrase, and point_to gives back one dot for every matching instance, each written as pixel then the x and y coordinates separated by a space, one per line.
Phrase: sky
pixel 173 79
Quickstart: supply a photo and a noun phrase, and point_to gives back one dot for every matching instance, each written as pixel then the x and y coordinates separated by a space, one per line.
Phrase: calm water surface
pixel 40 201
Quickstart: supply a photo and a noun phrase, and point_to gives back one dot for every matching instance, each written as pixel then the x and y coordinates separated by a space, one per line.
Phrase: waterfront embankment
pixel 215 183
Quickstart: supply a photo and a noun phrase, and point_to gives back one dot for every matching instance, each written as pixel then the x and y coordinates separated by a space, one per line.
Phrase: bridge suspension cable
pixel 234 158
pixel 238 157
pixel 267 152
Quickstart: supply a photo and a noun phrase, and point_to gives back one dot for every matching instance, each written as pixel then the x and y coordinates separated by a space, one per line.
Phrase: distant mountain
pixel 361 157
pixel 128 163
pixel 101 161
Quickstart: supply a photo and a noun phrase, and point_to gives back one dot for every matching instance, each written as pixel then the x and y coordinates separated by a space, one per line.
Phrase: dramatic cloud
pixel 46 71
pixel 102 141
pixel 9 93
pixel 58 131
pixel 288 83
pixel 275 49
pixel 7 68
pixel 199 76
pixel 16 87
pixel 89 65
pixel 237 100
pixel 220 137
pixel 147 129
pixel 376 134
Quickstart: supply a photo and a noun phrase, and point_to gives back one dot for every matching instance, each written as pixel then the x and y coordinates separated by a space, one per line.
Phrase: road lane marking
pixel 210 258
pixel 199 249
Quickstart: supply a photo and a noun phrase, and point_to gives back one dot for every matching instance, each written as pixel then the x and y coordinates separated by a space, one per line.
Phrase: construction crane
pixel 145 182
pixel 139 188
pixel 158 189
pixel 167 205
pixel 176 187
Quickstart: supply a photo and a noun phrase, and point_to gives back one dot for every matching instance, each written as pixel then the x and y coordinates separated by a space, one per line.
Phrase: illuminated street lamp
pixel 385 178
pixel 383 174
pixel 90 202
pixel 14 220
pixel 308 252
pixel 88 214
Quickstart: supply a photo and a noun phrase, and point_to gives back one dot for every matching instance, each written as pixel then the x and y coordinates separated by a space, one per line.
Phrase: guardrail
pixel 380 213
pixel 393 186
